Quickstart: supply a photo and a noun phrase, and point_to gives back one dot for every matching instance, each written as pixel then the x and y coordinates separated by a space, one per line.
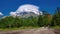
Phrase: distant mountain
pixel 27 14
pixel 27 11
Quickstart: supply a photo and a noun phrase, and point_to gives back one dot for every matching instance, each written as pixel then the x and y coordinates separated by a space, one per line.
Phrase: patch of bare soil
pixel 33 31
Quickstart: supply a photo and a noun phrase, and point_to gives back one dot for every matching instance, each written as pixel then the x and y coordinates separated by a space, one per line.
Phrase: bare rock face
pixel 27 14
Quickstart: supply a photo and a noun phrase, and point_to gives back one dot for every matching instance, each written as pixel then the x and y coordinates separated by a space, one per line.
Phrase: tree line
pixel 42 20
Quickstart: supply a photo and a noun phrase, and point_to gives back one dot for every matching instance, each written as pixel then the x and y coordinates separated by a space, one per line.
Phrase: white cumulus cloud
pixel 1 13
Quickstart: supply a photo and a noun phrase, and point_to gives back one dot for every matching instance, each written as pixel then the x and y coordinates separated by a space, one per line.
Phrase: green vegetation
pixel 20 28
pixel 11 22
pixel 39 21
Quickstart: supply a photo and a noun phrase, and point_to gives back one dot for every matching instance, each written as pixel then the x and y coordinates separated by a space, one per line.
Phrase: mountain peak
pixel 27 9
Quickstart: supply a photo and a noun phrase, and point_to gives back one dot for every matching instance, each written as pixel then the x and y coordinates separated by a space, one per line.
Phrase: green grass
pixel 20 28
pixel 57 27
pixel 24 28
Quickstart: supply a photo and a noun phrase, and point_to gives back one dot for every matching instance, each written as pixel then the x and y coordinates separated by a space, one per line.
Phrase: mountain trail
pixel 43 30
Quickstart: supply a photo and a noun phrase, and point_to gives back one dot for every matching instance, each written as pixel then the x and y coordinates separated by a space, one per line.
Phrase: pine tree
pixel 56 17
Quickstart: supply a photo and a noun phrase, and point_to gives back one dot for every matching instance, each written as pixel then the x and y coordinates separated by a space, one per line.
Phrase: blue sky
pixel 6 6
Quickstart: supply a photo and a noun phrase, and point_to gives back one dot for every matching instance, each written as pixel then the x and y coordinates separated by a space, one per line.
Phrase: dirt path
pixel 31 31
